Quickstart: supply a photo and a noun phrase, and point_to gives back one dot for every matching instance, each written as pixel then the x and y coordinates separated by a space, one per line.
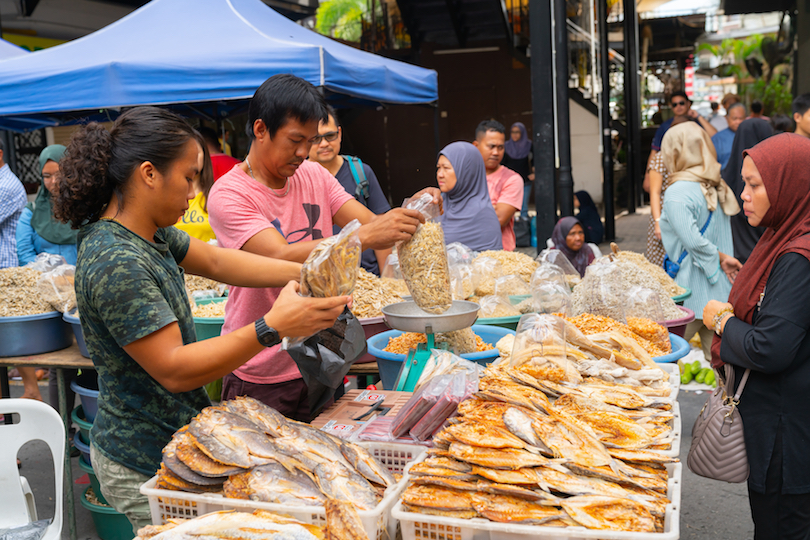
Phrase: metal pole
pixel 632 102
pixel 565 182
pixel 542 117
pixel 607 148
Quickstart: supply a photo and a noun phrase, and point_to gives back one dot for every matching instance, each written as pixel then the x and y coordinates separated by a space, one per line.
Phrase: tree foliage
pixel 342 19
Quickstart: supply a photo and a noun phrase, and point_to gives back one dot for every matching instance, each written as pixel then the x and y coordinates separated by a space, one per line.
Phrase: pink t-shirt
pixel 239 207
pixel 506 186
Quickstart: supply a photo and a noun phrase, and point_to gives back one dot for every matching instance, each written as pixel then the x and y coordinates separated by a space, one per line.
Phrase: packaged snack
pixel 331 269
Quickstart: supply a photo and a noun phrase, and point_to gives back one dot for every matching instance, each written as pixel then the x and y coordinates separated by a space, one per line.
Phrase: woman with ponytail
pixel 124 190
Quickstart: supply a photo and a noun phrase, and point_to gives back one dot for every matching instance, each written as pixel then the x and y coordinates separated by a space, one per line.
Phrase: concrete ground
pixel 709 509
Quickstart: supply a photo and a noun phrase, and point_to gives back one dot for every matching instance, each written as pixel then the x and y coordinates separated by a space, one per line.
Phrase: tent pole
pixel 607 145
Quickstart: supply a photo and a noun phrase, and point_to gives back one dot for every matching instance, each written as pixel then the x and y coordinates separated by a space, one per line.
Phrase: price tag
pixel 369 396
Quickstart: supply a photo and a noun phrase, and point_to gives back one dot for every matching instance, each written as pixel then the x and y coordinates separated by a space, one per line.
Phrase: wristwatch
pixel 266 335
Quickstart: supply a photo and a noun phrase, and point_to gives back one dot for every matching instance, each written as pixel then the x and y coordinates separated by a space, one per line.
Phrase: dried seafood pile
pixel 650 336
pixel 532 448
pixel 342 523
pixel 657 272
pixel 19 293
pixel 207 311
pixel 513 262
pixel 459 341
pixel 371 294
pixel 247 450
pixel 199 283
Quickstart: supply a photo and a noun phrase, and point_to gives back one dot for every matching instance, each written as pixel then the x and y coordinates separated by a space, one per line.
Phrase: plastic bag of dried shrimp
pixel 547 272
pixel 551 297
pixel 643 303
pixel 558 258
pixel 485 271
pixel 331 269
pixel 56 287
pixel 423 260
pixel 511 285
pixel 443 362
pixel 494 306
pixel 538 335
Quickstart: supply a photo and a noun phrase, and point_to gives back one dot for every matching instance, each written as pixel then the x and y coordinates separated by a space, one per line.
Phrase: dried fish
pixel 506 458
pixel 231 439
pixel 339 482
pixel 506 509
pixel 343 522
pixel 273 483
pixel 609 513
pixel 366 465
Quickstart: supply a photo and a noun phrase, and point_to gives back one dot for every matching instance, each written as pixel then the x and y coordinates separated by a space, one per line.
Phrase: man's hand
pixel 730 266
pixel 396 225
pixel 692 114
pixel 293 315
pixel 712 309
pixel 436 193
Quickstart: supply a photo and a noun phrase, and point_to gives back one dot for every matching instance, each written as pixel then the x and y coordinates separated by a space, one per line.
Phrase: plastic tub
pixel 680 348
pixel 83 446
pixel 78 418
pixel 89 399
pixel 34 334
pixel 678 326
pixel 91 474
pixel 681 297
pixel 371 326
pixel 208 327
pixel 389 364
pixel 76 326
pixel 110 525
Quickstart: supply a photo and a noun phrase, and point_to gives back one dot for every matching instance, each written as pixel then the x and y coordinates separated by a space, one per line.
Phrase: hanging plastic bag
pixel 423 260
pixel 494 306
pixel 643 303
pixel 550 297
pixel 45 262
pixel 547 272
pixel 511 285
pixel 56 287
pixel 331 269
pixel 485 271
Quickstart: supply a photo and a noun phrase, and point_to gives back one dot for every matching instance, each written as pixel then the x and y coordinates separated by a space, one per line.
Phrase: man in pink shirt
pixel 505 185
pixel 278 204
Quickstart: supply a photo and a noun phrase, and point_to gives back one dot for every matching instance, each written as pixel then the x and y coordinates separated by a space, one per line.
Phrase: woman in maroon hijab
pixel 764 327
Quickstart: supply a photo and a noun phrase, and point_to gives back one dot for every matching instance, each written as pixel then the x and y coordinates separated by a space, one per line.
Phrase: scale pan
pixel 406 316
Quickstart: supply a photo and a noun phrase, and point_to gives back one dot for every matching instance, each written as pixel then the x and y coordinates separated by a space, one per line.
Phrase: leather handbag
pixel 718 445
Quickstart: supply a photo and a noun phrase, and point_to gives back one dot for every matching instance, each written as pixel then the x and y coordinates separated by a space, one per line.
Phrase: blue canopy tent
pixel 9 50
pixel 184 52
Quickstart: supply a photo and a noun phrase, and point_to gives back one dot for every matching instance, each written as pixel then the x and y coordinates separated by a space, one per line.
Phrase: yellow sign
pixel 31 43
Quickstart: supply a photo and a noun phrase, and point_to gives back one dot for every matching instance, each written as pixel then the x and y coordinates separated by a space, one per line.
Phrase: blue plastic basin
pixel 34 334
pixel 83 447
pixel 680 348
pixel 89 400
pixel 76 325
pixel 389 364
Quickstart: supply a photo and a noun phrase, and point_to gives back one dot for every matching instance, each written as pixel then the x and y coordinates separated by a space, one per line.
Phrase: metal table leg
pixel 64 411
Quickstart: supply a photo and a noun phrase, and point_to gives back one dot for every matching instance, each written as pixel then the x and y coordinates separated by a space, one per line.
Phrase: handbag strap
pixel 741 385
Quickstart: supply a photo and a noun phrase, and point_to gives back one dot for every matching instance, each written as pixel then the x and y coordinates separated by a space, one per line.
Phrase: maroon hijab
pixel 783 161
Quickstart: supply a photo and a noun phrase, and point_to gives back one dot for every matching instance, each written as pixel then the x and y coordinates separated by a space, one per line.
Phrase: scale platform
pixel 408 317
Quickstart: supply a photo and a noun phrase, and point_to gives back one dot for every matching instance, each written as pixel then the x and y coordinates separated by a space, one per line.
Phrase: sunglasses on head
pixel 678 103
pixel 331 136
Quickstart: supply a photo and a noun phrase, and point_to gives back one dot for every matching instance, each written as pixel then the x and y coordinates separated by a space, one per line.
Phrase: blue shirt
pixel 661 131
pixel 30 243
pixel 722 141
pixel 12 202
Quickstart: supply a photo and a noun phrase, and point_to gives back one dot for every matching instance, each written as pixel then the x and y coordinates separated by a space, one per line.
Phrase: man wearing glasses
pixel 356 177
pixel 681 106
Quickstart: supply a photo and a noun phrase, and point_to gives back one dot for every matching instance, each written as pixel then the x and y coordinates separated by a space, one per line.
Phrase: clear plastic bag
pixel 443 362
pixel 458 253
pixel 643 303
pixel 45 262
pixel 558 258
pixel 56 287
pixel 551 297
pixel 420 403
pixel 461 281
pixel 540 349
pixel 423 260
pixel 547 272
pixel 485 271
pixel 456 390
pixel 601 292
pixel 494 306
pixel 460 341
pixel 391 269
pixel 331 269
pixel 511 285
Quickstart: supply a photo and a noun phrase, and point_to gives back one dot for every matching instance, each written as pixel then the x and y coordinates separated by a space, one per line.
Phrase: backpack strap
pixel 359 175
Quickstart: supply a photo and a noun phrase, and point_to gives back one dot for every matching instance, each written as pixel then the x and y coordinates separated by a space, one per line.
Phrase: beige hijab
pixel 690 155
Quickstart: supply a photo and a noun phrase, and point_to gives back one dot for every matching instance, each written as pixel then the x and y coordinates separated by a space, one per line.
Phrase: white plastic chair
pixel 38 421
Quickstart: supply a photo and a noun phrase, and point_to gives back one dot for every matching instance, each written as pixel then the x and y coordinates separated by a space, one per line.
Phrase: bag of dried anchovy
pixel 423 260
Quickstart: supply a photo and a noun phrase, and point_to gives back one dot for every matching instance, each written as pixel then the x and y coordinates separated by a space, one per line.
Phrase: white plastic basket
pixel 167 504
pixel 675 448
pixel 674 378
pixel 425 527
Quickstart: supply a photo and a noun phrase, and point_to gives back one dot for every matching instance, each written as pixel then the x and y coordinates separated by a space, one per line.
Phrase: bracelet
pixel 657 219
pixel 718 319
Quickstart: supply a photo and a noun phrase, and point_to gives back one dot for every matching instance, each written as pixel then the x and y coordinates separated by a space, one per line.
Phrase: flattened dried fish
pixel 230 438
pixel 438 498
pixel 483 435
pixel 195 459
pixel 617 430
pixel 275 484
pixel 180 469
pixel 506 509
pixel 520 424
pixel 228 524
pixel 339 482
pixel 426 469
pixel 506 458
pixel 641 456
pixel 609 513
pixel 267 418
pixel 501 476
pixel 343 522
pixel 569 440
pixel 166 479
pixel 447 463
pixel 366 464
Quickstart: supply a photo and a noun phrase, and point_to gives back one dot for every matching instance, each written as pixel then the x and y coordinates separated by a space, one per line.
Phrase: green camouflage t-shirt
pixel 126 289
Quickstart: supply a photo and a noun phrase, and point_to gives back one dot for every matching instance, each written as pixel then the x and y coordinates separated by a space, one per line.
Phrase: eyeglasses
pixel 331 136
pixel 678 103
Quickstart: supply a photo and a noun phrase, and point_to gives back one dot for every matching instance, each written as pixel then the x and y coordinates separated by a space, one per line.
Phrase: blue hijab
pixel 469 216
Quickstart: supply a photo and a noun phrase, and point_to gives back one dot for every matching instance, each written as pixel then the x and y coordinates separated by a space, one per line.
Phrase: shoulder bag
pixel 718 446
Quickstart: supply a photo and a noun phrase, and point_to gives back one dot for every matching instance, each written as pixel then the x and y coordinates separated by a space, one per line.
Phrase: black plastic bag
pixel 324 359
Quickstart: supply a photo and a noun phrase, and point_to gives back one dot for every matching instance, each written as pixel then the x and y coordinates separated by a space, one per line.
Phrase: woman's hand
pixel 298 316
pixel 712 309
pixel 657 230
pixel 730 266
pixel 436 193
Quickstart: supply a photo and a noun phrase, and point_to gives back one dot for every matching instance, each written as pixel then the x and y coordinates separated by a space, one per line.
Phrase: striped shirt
pixel 684 214
pixel 12 202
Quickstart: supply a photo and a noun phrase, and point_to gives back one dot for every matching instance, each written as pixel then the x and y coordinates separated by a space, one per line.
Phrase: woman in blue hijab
pixel 469 215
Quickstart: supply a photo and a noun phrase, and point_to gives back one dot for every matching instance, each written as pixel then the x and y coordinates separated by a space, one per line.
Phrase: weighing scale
pixel 408 317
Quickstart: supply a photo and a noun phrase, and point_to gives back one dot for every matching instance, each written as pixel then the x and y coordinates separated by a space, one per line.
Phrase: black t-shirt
pixel 377 203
